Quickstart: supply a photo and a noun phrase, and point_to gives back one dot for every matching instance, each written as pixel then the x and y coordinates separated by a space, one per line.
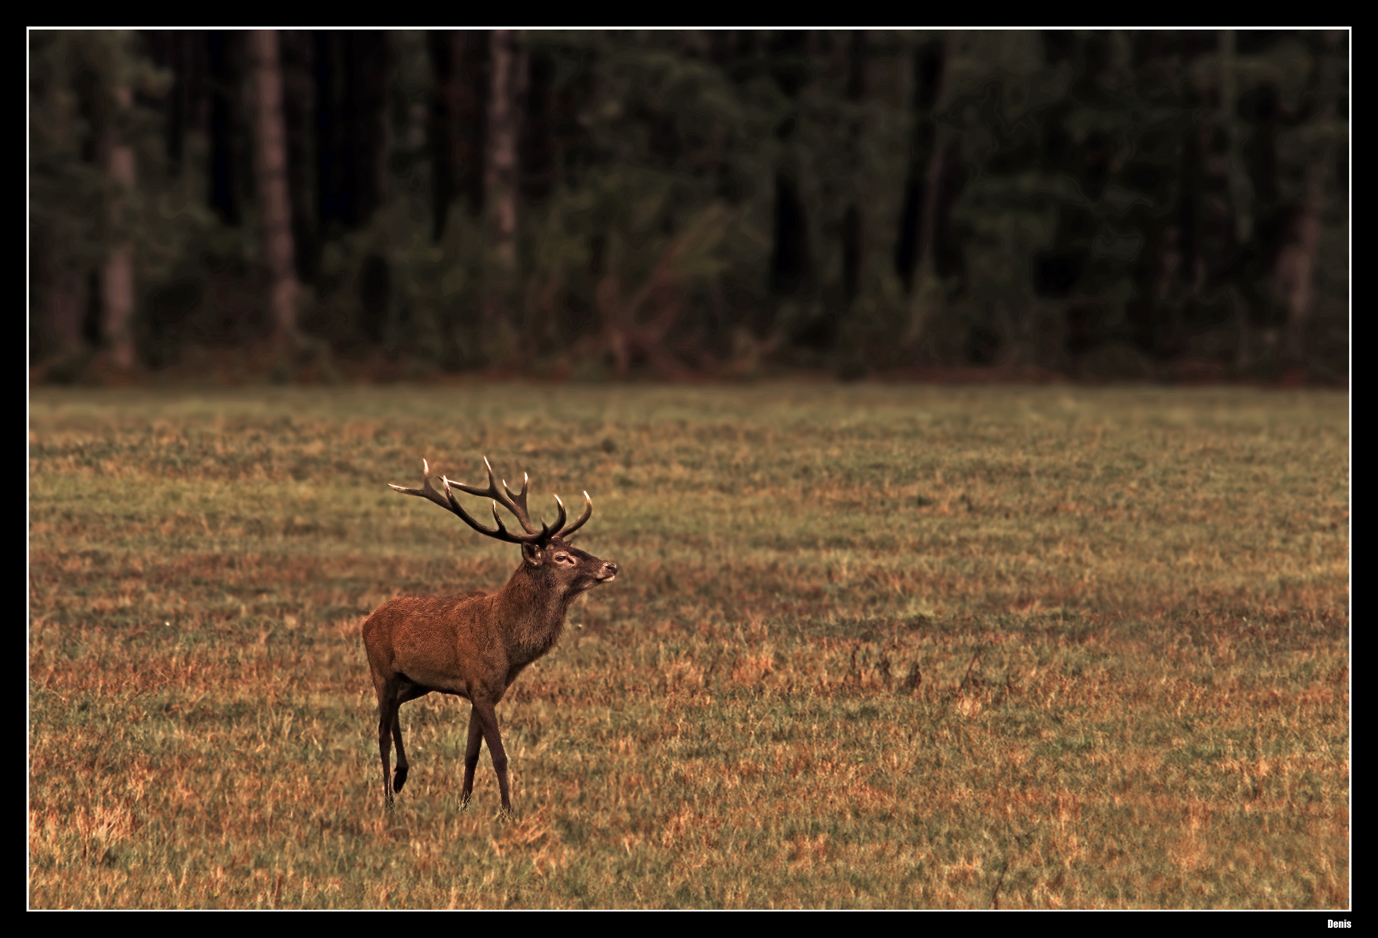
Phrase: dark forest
pixel 1161 205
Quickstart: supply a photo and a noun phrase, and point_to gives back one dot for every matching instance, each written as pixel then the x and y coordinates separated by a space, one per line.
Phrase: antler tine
pixel 560 515
pixel 578 522
pixel 518 497
pixel 474 489
pixel 426 490
pixel 517 500
pixel 497 519
pixel 535 538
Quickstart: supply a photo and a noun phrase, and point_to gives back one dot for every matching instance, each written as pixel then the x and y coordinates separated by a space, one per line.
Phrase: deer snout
pixel 608 572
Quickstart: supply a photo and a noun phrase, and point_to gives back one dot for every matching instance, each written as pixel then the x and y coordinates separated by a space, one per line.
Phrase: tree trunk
pixel 1298 268
pixel 925 292
pixel 1296 264
pixel 270 167
pixel 117 273
pixel 500 200
pixel 925 297
pixel 1241 189
pixel 1295 274
pixel 297 61
pixel 878 311
pixel 68 301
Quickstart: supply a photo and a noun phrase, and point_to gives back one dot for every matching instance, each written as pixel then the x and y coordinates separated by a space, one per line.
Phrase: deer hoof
pixel 399 778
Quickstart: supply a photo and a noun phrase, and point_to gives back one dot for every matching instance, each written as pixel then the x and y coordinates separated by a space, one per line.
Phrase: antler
pixel 513 502
pixel 578 522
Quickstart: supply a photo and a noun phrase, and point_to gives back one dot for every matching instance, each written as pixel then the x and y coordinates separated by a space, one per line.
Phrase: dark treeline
pixel 1097 203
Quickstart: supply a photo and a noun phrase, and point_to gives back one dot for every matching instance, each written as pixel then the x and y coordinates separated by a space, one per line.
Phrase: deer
pixel 473 645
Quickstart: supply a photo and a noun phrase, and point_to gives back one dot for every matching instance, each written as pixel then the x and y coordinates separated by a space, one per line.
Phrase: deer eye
pixel 562 558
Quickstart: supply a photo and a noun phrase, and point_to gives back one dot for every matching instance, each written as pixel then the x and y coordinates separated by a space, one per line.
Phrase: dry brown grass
pixel 874 646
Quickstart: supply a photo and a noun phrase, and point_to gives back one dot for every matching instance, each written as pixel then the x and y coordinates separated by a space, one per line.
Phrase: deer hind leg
pixel 399 777
pixel 471 753
pixel 392 728
pixel 387 719
pixel 483 709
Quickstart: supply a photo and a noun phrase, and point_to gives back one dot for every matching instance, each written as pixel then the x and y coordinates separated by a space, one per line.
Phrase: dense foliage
pixel 1121 203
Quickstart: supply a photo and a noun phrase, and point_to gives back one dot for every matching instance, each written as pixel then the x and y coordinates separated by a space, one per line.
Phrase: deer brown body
pixel 473 645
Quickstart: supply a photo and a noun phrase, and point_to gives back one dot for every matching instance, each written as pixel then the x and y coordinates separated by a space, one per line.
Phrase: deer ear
pixel 531 554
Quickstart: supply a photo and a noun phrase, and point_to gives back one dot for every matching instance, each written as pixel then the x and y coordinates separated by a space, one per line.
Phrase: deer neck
pixel 532 610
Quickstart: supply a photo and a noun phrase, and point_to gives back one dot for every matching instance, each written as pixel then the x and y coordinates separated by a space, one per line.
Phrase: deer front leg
pixel 471 753
pixel 483 709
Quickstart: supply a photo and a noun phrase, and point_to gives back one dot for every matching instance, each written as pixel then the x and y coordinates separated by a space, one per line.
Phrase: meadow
pixel 871 646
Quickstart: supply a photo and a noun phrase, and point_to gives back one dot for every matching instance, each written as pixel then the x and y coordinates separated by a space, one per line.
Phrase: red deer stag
pixel 474 645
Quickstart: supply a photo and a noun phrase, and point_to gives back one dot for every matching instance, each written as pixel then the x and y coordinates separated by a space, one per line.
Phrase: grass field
pixel 872 646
